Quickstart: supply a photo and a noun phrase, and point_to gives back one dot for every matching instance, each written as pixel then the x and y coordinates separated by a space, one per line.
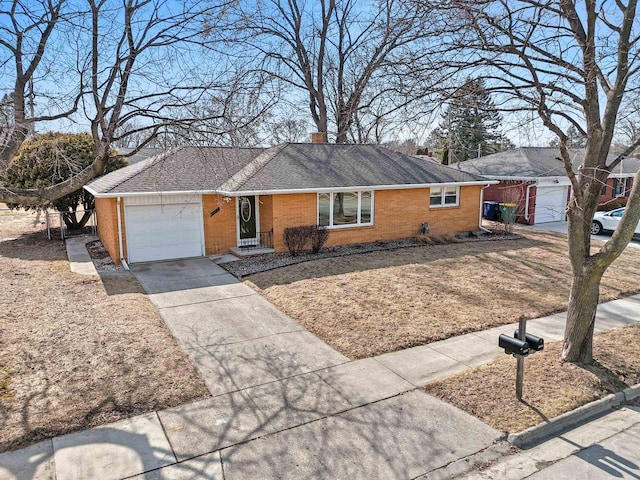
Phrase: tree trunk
pixel 581 314
pixel 344 124
pixel 340 203
pixel 70 219
pixel 20 124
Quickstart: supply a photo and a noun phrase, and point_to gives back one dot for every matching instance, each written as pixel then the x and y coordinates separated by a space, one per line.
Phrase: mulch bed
pixel 270 261
pixel 101 259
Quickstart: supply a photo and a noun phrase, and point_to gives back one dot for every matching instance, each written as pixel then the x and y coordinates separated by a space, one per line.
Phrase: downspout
pixel 481 209
pixel 526 202
pixel 121 250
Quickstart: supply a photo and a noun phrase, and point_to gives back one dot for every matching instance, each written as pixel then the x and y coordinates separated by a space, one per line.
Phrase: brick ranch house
pixel 535 179
pixel 195 201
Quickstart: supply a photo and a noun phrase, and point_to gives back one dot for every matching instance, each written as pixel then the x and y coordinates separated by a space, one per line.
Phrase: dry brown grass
pixel 76 352
pixel 365 305
pixel 551 387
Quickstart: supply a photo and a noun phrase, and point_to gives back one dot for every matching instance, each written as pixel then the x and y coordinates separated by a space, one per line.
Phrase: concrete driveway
pixel 234 336
pixel 561 227
pixel 324 416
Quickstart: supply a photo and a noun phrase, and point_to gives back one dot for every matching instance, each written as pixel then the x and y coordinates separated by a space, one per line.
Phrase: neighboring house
pixel 194 201
pixel 535 179
pixel 141 154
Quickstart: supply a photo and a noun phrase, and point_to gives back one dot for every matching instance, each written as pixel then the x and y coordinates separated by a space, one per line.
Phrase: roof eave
pixel 356 187
pixel 138 194
pixel 289 191
pixel 519 178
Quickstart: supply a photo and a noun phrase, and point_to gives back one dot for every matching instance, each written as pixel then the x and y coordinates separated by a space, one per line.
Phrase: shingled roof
pixel 285 168
pixel 182 169
pixel 535 162
pixel 140 155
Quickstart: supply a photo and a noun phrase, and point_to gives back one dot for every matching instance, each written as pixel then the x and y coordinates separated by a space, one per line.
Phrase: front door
pixel 247 215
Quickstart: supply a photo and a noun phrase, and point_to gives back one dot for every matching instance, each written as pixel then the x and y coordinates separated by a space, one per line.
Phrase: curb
pixel 538 432
pixel 631 393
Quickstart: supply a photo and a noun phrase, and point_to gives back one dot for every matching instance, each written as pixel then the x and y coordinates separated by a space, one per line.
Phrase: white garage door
pixel 162 228
pixel 551 204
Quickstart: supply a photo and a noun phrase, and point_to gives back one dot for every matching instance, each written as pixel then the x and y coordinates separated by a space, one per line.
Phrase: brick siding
pixel 397 214
pixel 516 192
pixel 107 218
pixel 219 229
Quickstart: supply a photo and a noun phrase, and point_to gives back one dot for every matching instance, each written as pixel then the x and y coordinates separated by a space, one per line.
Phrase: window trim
pixel 625 182
pixel 350 225
pixel 443 195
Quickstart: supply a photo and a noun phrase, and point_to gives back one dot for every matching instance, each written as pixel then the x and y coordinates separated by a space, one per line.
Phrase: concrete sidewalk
pixel 607 447
pixel 284 404
pixel 79 259
pixel 424 364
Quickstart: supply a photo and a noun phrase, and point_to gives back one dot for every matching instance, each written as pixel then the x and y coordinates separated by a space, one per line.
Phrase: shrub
pixel 610 205
pixel 319 237
pixel 435 239
pixel 296 238
pixel 426 239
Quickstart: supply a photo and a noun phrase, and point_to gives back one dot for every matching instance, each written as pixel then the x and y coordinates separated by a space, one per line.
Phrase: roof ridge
pixel 225 147
pixel 243 175
pixel 146 164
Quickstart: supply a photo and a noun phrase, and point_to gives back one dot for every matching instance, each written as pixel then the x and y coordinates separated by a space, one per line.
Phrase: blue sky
pixel 57 77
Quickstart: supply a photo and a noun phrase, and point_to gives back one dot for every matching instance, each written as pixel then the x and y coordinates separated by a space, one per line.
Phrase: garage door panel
pixel 161 232
pixel 551 204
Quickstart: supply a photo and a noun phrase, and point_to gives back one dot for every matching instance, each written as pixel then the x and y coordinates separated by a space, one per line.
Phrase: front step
pixel 250 251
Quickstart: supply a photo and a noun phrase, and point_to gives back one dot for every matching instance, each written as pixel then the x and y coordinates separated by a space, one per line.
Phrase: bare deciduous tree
pixel 344 57
pixel 25 38
pixel 628 124
pixel 573 63
pixel 140 72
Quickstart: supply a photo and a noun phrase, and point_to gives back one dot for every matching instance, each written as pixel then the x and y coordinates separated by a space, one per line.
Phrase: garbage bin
pixel 508 212
pixel 491 210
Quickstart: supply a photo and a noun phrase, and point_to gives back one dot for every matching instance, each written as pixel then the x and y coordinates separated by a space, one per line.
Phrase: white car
pixel 608 221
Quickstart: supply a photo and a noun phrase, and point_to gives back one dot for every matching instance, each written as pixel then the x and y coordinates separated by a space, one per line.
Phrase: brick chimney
pixel 317 137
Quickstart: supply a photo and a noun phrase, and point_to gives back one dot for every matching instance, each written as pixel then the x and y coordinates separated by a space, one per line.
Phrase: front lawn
pixel 76 352
pixel 551 387
pixel 369 304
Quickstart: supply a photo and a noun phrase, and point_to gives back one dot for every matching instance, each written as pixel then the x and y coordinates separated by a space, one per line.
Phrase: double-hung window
pixel 444 196
pixel 621 187
pixel 345 209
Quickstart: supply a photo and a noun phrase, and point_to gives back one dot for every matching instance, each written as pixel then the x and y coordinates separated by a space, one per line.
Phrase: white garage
pixel 161 227
pixel 551 203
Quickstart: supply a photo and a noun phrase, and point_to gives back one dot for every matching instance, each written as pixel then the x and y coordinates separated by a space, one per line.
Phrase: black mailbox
pixel 513 345
pixel 535 343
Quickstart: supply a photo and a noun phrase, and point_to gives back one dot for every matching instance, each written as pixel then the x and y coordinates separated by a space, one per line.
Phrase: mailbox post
pixel 522 335
pixel 520 346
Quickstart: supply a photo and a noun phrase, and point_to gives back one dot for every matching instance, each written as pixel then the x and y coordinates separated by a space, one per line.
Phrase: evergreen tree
pixel 575 139
pixel 470 126
pixel 43 160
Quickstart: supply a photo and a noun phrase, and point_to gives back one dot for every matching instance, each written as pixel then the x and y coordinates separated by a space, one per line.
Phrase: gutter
pixel 526 179
pixel 481 209
pixel 526 203
pixel 120 249
pixel 294 190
